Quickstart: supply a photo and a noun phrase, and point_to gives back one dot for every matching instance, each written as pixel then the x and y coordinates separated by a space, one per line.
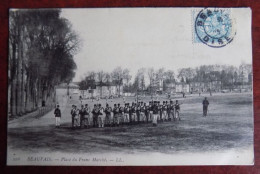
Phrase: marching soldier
pixel 205 104
pixel 155 113
pixel 142 112
pixel 164 111
pixel 160 111
pixel 147 112
pixel 138 110
pixel 126 113
pixel 82 116
pixel 133 111
pixel 108 119
pixel 121 114
pixel 87 116
pixel 150 110
pixel 101 116
pixel 171 111
pixel 116 116
pixel 95 113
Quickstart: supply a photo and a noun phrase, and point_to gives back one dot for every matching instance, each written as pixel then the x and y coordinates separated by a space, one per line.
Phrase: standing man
pixel 57 114
pixel 177 110
pixel 73 113
pixel 205 104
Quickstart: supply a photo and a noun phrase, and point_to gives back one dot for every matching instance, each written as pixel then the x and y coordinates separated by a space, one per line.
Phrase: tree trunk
pixel 13 81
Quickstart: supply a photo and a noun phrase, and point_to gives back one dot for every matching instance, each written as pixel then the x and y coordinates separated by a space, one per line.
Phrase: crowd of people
pixel 129 114
pixel 135 113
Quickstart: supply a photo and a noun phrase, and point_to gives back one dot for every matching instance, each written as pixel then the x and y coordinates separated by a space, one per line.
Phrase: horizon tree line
pixel 152 80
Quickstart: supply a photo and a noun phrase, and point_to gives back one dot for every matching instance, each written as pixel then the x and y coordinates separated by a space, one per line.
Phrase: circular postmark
pixel 215 27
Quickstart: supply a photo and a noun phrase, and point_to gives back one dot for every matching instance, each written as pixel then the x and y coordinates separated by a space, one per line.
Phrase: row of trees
pixel 41 49
pixel 152 80
pixel 229 76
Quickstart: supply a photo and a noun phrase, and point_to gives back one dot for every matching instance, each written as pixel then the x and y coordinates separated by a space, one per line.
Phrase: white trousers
pixel 57 121
pixel 155 117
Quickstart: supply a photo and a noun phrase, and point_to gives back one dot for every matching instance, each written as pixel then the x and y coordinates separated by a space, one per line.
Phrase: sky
pixel 151 37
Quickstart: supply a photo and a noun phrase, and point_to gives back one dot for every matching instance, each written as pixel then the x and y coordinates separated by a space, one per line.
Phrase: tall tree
pixel 43 46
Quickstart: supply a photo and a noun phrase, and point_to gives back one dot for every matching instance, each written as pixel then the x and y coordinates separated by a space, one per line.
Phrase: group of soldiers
pixel 136 113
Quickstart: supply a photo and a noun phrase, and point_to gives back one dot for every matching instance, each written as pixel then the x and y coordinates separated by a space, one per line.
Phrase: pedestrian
pixel 205 104
pixel 177 110
pixel 57 114
pixel 73 113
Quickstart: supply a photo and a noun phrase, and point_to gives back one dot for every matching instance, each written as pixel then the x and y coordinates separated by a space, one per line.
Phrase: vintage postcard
pixel 130 87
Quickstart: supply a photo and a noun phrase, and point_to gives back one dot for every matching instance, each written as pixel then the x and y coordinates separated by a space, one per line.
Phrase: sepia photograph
pixel 130 87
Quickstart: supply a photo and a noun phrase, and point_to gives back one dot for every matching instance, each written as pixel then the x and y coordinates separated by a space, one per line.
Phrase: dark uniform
pixel 177 110
pixel 116 115
pixel 147 112
pixel 205 104
pixel 138 110
pixel 164 112
pixel 73 113
pixel 87 116
pixel 57 114
pixel 95 113
pixel 155 113
pixel 133 113
pixel 108 119
pixel 82 115
pixel 126 113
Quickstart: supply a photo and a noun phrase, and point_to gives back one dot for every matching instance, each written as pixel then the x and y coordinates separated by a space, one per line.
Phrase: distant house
pixel 170 87
pixel 64 89
pixel 101 89
pixel 205 86
pixel 67 89
pixel 182 87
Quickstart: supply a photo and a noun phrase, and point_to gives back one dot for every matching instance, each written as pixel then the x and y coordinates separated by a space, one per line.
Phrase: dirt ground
pixel 229 125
